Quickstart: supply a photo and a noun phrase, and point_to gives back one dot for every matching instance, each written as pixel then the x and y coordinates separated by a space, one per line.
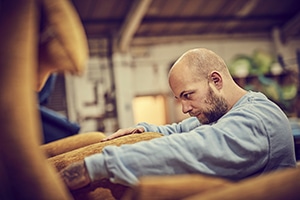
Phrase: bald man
pixel 232 133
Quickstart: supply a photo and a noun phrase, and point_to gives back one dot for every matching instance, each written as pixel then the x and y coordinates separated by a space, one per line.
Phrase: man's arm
pixel 184 126
pixel 75 175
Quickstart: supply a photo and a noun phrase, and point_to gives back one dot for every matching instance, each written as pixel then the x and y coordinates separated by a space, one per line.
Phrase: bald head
pixel 201 62
pixel 200 76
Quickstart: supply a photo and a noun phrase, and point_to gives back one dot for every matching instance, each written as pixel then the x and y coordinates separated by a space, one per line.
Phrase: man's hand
pixel 75 175
pixel 122 132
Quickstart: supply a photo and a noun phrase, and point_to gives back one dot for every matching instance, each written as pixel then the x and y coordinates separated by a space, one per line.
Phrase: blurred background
pixel 133 43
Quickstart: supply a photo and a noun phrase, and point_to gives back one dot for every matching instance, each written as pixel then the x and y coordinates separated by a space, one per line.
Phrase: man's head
pixel 198 80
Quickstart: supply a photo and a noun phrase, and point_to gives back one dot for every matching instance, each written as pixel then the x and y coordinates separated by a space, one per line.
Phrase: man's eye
pixel 187 96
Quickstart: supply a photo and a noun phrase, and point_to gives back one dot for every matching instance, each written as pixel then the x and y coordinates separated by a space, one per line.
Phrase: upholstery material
pixel 26 172
pixel 63 45
pixel 71 143
pixel 63 160
pixel 63 152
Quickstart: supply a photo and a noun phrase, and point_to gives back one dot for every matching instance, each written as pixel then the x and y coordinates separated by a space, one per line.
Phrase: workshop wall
pixel 142 72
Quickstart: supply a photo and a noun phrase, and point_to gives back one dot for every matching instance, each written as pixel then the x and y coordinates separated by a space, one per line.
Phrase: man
pixel 232 133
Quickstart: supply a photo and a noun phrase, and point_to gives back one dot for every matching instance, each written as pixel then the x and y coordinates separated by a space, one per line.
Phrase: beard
pixel 218 106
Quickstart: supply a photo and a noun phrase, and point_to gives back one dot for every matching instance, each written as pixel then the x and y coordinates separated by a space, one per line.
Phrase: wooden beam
pixel 292 27
pixel 144 41
pixel 243 12
pixel 131 23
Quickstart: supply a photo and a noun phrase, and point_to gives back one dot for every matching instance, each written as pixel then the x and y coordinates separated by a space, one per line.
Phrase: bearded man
pixel 232 133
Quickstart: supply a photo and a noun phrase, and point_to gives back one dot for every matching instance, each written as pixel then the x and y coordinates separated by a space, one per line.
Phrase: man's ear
pixel 216 79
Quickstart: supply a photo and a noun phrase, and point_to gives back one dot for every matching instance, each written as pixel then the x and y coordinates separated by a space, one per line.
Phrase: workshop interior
pixel 130 41
pixel 113 64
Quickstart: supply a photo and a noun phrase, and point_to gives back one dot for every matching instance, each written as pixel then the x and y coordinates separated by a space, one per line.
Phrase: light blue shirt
pixel 252 138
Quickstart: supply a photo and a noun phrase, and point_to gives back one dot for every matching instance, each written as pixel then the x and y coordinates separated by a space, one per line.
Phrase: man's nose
pixel 186 107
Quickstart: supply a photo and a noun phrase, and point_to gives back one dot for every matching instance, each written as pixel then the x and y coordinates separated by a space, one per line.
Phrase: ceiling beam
pixel 291 27
pixel 131 23
pixel 243 12
pixel 144 41
pixel 214 19
pixel 204 19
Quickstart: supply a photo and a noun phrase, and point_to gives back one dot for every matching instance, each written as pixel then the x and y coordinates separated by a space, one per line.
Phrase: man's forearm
pixel 75 175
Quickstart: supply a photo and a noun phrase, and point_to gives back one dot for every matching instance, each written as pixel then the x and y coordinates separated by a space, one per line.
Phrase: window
pixel 150 109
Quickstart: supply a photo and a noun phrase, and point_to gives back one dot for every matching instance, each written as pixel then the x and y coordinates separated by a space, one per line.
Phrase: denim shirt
pixel 254 137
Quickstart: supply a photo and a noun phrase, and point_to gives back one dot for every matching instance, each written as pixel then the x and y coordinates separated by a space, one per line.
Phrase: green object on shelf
pixel 284 95
pixel 240 66
pixel 270 88
pixel 262 61
pixel 289 92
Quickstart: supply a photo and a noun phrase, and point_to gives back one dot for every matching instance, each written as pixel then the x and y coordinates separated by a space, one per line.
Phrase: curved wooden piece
pixel 65 159
pixel 63 43
pixel 29 176
pixel 277 185
pixel 174 187
pixel 71 143
pixel 103 189
pixel 25 172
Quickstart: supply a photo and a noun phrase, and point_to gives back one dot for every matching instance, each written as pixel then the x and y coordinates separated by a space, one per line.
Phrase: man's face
pixel 198 98
pixel 216 108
